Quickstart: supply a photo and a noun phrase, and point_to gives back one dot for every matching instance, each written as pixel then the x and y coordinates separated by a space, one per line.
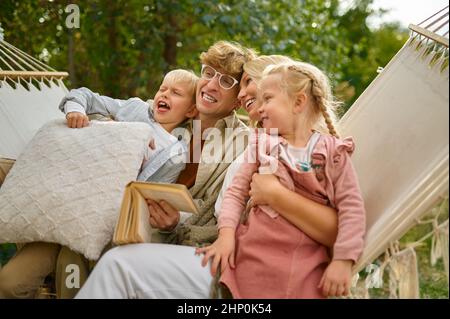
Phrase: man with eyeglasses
pixel 226 81
pixel 174 271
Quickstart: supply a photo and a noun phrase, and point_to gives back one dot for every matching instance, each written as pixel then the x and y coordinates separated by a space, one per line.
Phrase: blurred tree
pixel 367 49
pixel 123 47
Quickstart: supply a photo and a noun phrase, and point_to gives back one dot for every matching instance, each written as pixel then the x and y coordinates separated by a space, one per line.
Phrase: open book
pixel 133 225
pixel 5 166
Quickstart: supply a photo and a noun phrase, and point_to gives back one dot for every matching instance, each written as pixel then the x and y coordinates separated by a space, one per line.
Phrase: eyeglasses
pixel 226 81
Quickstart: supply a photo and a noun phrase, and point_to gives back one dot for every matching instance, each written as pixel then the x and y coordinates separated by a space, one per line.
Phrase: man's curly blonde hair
pixel 229 57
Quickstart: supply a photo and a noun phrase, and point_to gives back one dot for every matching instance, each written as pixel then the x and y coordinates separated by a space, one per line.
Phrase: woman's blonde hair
pixel 184 76
pixel 255 68
pixel 228 56
pixel 304 77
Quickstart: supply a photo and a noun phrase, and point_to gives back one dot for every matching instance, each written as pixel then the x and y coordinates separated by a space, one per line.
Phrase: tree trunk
pixel 71 58
pixel 170 42
pixel 112 81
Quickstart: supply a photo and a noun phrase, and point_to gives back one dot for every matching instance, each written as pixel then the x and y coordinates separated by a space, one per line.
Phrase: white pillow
pixel 67 185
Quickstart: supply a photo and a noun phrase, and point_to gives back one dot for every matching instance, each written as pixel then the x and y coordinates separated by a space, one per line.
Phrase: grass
pixel 432 279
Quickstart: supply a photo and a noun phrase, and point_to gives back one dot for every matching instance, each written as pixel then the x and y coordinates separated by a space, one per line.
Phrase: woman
pixel 173 271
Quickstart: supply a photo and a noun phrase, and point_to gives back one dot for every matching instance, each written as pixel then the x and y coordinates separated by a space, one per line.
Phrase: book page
pixel 175 194
pixel 119 231
pixel 144 229
pixel 129 222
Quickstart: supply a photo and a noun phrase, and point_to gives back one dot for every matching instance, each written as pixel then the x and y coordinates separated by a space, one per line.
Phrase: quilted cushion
pixel 67 186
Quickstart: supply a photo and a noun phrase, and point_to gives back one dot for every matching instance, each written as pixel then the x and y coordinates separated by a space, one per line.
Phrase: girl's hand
pixel 263 188
pixel 77 120
pixel 222 251
pixel 162 215
pixel 336 279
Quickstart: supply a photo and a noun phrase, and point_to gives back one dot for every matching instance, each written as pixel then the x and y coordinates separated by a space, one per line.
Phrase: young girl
pixel 267 257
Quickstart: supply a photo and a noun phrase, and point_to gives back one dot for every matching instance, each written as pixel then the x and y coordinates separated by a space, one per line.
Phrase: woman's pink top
pixel 274 259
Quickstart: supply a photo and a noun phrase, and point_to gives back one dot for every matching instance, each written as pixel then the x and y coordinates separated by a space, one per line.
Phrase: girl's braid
pixel 323 99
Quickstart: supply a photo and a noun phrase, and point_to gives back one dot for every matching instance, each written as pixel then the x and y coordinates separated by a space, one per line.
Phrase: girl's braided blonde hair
pixel 304 77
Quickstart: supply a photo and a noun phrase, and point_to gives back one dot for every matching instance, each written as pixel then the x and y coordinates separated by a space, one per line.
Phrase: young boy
pixel 172 105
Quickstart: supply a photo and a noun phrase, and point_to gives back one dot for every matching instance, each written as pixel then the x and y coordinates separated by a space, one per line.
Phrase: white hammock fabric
pixel 439 245
pixel 30 93
pixel 23 112
pixel 404 275
pixel 400 124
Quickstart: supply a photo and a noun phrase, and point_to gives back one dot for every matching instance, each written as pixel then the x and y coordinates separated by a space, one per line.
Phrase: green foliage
pixel 6 252
pixel 123 47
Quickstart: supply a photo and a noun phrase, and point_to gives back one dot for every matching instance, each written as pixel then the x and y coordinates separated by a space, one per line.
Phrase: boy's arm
pixel 85 101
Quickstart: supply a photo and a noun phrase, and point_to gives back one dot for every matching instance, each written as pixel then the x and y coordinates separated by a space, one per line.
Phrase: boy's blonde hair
pixel 228 56
pixel 303 77
pixel 184 76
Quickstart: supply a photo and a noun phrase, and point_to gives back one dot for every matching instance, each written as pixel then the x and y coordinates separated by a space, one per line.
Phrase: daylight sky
pixel 408 11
